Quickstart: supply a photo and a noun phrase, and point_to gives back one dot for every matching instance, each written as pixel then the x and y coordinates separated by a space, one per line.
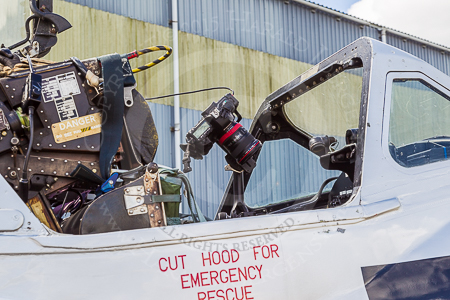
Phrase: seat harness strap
pixel 112 111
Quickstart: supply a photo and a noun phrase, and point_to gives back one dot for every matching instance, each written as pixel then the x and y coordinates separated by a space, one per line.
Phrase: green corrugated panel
pixel 204 62
pixel 13 14
pixel 95 33
pixel 251 74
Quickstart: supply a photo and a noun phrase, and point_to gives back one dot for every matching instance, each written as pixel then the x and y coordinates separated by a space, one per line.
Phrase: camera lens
pixel 239 143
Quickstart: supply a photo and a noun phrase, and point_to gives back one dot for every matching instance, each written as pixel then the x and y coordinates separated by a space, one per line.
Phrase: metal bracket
pixel 4 124
pixel 138 199
pixel 128 95
pixel 134 200
pixel 32 51
pixel 138 210
pixel 137 190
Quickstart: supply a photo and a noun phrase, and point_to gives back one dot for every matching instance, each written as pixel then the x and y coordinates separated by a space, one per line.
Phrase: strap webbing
pixel 112 110
pixel 166 198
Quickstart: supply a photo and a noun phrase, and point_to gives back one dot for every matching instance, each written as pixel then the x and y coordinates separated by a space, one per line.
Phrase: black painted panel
pixel 414 280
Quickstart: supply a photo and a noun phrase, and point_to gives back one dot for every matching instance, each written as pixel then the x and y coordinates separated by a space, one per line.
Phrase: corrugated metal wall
pixel 154 11
pixel 293 30
pixel 13 14
pixel 203 62
pixel 436 57
pixel 271 26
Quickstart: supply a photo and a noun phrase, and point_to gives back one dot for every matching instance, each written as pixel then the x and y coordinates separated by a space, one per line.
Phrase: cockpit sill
pixel 189 235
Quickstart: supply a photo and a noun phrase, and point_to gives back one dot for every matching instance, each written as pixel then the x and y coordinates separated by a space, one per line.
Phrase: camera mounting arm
pixel 46 25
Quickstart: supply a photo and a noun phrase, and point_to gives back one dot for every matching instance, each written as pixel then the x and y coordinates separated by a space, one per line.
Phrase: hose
pixel 27 30
pixel 137 53
pixel 192 92
pixel 23 182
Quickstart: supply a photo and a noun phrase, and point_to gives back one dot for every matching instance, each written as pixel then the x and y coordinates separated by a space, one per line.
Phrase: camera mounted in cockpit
pixel 218 125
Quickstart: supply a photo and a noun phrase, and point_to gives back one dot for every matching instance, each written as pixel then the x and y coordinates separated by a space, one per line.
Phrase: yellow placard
pixel 77 128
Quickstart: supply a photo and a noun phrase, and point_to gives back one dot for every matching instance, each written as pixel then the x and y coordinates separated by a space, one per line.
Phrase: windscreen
pixel 330 108
pixel 419 125
pixel 287 171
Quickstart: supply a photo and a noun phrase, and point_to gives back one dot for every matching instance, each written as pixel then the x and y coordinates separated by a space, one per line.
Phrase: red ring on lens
pixel 229 133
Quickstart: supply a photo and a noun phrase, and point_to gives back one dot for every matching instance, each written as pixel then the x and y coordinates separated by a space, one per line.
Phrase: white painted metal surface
pixel 10 219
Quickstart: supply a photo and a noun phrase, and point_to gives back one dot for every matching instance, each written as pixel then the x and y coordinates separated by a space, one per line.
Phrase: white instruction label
pixel 66 108
pixel 59 86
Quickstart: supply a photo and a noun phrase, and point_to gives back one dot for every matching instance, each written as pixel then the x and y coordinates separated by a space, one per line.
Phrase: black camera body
pixel 218 125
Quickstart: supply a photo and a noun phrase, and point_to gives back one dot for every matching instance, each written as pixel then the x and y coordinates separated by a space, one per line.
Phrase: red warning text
pixel 230 280
pixel 217 257
pixel 172 263
pixel 225 276
pixel 240 293
pixel 266 251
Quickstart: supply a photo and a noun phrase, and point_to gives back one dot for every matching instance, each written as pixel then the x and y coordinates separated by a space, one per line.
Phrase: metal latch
pixel 128 95
pixel 134 200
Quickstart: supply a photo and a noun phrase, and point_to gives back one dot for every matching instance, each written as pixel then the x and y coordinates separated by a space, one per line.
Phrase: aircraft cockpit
pixel 67 161
pixel 303 151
